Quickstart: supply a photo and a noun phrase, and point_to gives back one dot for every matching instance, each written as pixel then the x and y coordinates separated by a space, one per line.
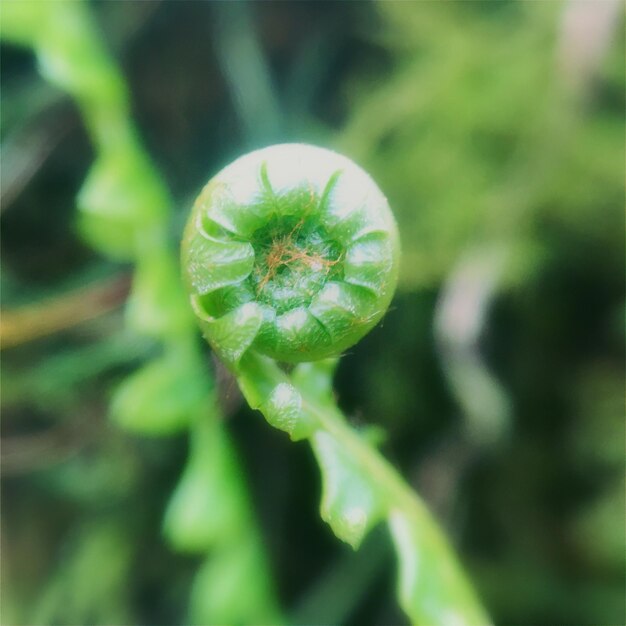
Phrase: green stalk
pixel 432 587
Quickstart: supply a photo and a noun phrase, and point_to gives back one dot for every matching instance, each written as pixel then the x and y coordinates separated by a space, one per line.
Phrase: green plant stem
pixel 401 498
pixel 439 593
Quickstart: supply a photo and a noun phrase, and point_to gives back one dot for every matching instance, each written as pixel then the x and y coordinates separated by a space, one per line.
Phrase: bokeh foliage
pixel 485 135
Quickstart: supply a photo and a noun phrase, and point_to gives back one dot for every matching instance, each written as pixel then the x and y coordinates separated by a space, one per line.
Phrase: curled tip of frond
pixel 303 233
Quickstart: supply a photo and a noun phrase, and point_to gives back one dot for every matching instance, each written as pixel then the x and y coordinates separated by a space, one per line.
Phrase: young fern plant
pixel 290 257
pixel 125 214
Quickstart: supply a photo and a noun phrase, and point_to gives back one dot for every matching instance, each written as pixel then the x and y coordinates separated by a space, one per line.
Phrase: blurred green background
pixel 496 129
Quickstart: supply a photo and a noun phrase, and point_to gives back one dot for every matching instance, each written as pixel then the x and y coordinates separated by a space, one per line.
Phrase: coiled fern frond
pixel 301 243
pixel 291 255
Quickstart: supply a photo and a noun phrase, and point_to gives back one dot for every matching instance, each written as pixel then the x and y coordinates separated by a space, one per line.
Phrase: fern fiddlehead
pixel 291 255
pixel 300 242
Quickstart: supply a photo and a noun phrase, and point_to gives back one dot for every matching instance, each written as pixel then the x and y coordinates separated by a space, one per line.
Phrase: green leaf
pixel 350 503
pixel 230 589
pixel 161 397
pixel 208 505
pixel 121 207
pixel 71 57
pixel 157 305
pixel 211 263
pixel 431 588
pixel 230 336
pixel 283 410
pixel 316 379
